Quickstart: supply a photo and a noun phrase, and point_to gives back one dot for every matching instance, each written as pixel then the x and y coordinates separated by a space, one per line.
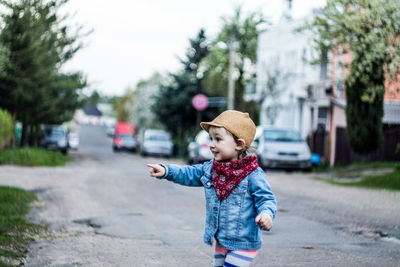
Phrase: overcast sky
pixel 134 38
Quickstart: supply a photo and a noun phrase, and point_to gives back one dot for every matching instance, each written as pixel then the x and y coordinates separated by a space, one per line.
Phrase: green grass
pixel 33 157
pixel 389 181
pixel 15 231
pixel 376 165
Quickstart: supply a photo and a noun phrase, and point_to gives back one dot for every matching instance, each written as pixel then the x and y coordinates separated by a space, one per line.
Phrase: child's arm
pixel 264 201
pixel 184 175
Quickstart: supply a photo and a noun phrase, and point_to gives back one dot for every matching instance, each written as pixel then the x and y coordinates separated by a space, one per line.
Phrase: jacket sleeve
pixel 184 175
pixel 264 199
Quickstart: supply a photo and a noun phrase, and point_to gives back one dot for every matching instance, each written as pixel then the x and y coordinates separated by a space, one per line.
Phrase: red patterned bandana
pixel 227 175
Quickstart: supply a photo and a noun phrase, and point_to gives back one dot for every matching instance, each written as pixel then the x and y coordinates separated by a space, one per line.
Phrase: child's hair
pixel 246 150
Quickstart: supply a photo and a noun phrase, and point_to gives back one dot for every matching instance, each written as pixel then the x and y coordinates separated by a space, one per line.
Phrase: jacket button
pixel 215 225
pixel 208 183
pixel 235 189
pixel 215 208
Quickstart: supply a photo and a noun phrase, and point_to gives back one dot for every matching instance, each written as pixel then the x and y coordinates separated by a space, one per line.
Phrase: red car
pixel 124 137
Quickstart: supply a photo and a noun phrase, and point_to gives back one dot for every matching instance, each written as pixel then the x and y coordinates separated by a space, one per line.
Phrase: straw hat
pixel 236 122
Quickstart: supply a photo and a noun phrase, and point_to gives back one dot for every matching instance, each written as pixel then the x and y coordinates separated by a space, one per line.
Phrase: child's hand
pixel 156 170
pixel 264 221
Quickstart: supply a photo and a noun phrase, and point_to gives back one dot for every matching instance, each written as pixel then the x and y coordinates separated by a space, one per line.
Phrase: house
pixel 89 114
pixel 340 151
pixel 293 90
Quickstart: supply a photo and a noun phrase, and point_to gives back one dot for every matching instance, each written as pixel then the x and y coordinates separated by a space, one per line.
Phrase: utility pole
pixel 231 81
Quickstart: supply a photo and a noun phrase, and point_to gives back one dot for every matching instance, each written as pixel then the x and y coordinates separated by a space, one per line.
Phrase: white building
pixel 297 98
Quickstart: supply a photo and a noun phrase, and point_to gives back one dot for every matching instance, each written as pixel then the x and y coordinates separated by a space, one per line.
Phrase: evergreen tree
pixel 36 45
pixel 173 108
pixel 364 119
pixel 173 105
pixel 197 51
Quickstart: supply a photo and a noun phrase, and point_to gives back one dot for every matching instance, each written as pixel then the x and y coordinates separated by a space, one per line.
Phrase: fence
pixel 388 151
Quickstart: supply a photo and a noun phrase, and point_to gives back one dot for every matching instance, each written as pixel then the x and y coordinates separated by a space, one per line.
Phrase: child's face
pixel 223 145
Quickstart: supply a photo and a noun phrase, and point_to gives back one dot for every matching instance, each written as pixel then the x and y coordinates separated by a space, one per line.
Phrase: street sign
pixel 200 102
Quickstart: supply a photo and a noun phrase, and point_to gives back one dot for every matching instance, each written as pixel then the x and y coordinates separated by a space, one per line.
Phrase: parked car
pixel 198 149
pixel 157 142
pixel 73 141
pixel 281 148
pixel 55 137
pixel 124 137
pixel 110 130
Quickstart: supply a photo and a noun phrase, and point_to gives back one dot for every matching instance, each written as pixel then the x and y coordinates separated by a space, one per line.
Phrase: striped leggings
pixel 233 258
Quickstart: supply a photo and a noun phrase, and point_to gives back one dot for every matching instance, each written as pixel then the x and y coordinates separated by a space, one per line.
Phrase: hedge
pixel 6 127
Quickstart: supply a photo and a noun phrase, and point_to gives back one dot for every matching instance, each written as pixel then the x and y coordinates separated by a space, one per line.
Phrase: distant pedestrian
pixel 239 200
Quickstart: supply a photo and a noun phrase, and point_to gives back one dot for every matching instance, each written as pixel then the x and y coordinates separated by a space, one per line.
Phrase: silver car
pixel 55 137
pixel 157 142
pixel 198 149
pixel 281 148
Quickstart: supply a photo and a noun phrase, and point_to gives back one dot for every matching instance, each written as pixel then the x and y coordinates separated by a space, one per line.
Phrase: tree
pixel 369 30
pixel 123 106
pixel 173 104
pixel 195 54
pixel 143 114
pixel 173 107
pixel 244 30
pixel 36 45
pixel 94 98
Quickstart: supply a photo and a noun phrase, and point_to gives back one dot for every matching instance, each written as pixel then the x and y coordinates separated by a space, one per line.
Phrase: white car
pixel 157 142
pixel 198 149
pixel 73 141
pixel 281 148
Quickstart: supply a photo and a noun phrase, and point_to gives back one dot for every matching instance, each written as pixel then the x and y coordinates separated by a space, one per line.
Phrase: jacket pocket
pixel 236 197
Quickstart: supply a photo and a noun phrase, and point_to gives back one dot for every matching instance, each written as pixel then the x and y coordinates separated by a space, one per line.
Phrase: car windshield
pixel 55 132
pixel 126 136
pixel 282 136
pixel 159 137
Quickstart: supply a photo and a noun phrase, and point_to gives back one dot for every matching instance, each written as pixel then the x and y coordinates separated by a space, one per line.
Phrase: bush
pixel 6 127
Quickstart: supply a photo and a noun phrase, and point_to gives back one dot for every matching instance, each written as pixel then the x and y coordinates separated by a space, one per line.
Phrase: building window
pixel 323 118
pixel 339 80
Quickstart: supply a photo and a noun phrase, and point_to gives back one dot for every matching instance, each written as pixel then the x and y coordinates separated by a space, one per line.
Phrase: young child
pixel 239 200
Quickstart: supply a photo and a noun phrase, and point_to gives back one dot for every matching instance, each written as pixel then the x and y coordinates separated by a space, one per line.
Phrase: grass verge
pixel 33 157
pixel 15 231
pixel 369 175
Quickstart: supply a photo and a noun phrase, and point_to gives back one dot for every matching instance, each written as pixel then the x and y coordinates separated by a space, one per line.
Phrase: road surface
pixel 104 210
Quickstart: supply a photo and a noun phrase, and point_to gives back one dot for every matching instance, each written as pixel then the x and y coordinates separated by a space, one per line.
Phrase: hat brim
pixel 206 125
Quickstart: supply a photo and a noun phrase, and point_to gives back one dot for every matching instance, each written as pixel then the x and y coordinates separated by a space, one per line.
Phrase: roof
pixel 91 109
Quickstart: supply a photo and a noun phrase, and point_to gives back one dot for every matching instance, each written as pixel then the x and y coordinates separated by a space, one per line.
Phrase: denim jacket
pixel 230 221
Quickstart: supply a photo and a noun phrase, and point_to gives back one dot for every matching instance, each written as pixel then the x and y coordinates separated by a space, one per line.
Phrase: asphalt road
pixel 105 210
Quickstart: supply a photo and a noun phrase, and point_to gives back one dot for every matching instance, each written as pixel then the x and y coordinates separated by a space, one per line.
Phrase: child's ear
pixel 241 144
